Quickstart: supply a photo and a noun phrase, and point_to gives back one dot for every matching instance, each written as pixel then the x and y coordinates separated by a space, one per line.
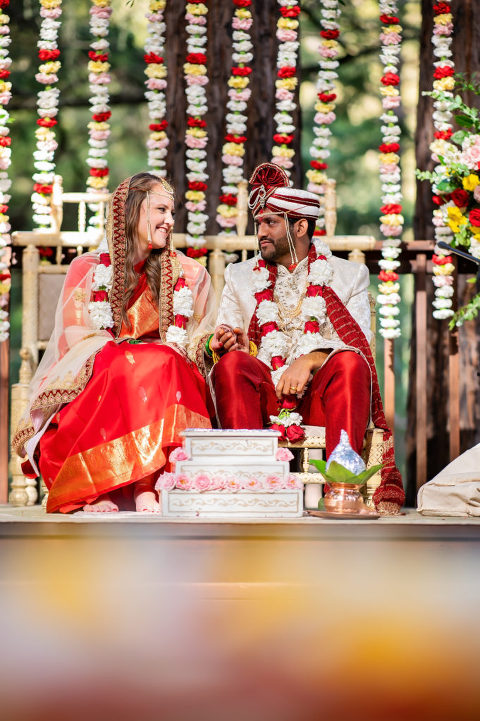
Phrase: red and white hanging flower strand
pixel 5 160
pixel 47 109
pixel 443 267
pixel 156 84
pixel 99 80
pixel 196 138
pixel 325 105
pixel 233 151
pixel 287 81
pixel 391 220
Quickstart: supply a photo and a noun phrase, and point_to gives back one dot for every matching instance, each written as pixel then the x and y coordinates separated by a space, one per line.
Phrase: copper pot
pixel 344 498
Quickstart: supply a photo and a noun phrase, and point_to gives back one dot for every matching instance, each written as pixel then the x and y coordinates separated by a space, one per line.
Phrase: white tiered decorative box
pixel 254 483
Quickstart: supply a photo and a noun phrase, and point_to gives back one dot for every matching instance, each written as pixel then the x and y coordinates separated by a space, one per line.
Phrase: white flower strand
pixel 5 182
pixel 156 85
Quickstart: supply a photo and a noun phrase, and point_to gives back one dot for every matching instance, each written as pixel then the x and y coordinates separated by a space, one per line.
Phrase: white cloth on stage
pixel 455 491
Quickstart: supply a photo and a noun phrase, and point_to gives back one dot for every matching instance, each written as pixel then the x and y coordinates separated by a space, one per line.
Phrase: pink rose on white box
pixel 166 482
pixel 202 482
pixel 178 455
pixel 283 454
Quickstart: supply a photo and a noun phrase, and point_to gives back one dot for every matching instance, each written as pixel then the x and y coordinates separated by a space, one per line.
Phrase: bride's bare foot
pixel 147 501
pixel 103 504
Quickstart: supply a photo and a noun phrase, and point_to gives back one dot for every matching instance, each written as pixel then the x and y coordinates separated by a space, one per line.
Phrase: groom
pixel 293 331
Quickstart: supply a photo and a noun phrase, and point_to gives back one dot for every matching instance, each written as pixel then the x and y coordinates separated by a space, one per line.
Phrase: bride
pixel 124 370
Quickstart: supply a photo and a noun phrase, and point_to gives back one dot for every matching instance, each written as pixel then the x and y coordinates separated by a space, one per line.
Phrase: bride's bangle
pixel 208 350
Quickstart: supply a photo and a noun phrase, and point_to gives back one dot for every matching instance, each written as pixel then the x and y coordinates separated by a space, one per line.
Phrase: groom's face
pixel 272 237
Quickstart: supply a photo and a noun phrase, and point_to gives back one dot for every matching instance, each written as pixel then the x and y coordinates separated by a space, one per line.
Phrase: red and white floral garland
pixel 286 83
pixel 391 220
pixel 196 138
pixel 443 267
pixel 274 344
pixel 325 106
pixel 156 84
pixel 233 151
pixel 99 80
pixel 47 109
pixel 5 160
pixel 100 310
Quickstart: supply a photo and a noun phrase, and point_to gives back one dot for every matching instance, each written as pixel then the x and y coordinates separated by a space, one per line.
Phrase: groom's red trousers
pixel 338 397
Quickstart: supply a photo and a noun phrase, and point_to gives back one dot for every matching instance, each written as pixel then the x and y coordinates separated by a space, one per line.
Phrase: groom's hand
pixel 224 340
pixel 243 343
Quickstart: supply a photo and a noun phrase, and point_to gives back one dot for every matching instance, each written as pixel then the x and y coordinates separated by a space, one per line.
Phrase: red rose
pixel 242 3
pixel 314 290
pixel 196 252
pixel 5 141
pixel 229 138
pixel 101 117
pixel 389 19
pixel 312 326
pixel 389 147
pixel 277 362
pixel 441 259
pixel 443 134
pixel 42 188
pixel 330 34
pixel 105 259
pixel 228 199
pixel 243 72
pixel 180 321
pixel 474 217
pixel 387 275
pixel 4 3
pixel 196 185
pixel 318 232
pixel 277 427
pixel 99 172
pixel 443 72
pixel 295 434
pixel 45 252
pixel 196 123
pixel 438 199
pixel 4 276
pixel 153 58
pixel 318 165
pixel 100 295
pixel 460 197
pixel 268 327
pixel 287 71
pixel 48 54
pixel 98 57
pixel 157 127
pixel 4 74
pixel 390 79
pixel 266 294
pixel 391 209
pixel 290 12
pixel 196 58
pixel 181 283
pixel 46 122
pixel 441 8
pixel 3 208
pixel 289 402
pixel 282 139
pixel 327 97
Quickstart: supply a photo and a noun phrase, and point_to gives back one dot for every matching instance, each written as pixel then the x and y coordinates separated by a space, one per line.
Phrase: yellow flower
pixel 44 134
pixel 243 13
pixel 53 66
pixel 102 3
pixel 96 66
pixel 392 29
pixel 156 5
pixel 5 87
pixel 471 182
pixel 196 132
pixel 446 269
pixel 443 19
pixel 236 81
pixel 195 195
pixel 191 69
pixel 316 176
pixel 392 219
pixel 158 135
pixel 389 90
pixel 197 9
pixel 444 84
pixel 156 70
pixel 4 19
pixel 456 215
pixel 324 107
pixel 234 149
pixel 3 218
pixel 5 286
pixel 227 211
pixel 288 83
pixel 389 158
pixel 49 4
pixel 287 24
pixel 279 151
pixel 329 43
pixel 97 183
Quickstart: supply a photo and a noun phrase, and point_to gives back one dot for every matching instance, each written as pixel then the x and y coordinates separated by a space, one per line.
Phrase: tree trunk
pixel 466 54
pixel 261 106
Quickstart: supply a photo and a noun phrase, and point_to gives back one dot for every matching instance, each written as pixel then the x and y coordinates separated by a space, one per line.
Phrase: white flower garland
pixel 233 151
pixel 391 220
pixel 99 80
pixel 156 84
pixel 325 105
pixel 442 117
pixel 47 109
pixel 5 182
pixel 286 83
pixel 196 138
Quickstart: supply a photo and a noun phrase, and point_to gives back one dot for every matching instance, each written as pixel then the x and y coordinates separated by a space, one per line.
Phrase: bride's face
pixel 161 219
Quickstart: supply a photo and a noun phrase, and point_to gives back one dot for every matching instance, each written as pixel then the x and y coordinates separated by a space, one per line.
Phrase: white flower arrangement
pixel 5 183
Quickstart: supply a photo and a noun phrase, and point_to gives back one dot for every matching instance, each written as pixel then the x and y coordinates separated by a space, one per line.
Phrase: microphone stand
pixel 462 254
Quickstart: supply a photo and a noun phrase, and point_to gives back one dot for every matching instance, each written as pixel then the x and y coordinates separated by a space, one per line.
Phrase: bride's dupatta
pixel 67 364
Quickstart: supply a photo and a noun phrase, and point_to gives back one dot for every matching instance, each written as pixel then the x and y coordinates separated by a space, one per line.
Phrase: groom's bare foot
pixel 103 504
pixel 147 501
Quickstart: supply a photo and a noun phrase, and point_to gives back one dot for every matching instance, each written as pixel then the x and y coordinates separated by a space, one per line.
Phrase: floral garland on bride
pixel 5 160
pixel 100 310
pixel 274 344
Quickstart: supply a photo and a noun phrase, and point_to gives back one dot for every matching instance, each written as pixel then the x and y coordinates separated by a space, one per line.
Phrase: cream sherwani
pixel 350 282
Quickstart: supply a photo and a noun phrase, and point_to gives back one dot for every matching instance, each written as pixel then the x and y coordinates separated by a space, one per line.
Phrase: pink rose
pixel 283 162
pixel 178 455
pixel 156 83
pixel 273 483
pixel 324 118
pixel 286 36
pixel 284 94
pixel 196 79
pixel 202 482
pixel 166 482
pixel 283 454
pixel 183 482
pixel 294 483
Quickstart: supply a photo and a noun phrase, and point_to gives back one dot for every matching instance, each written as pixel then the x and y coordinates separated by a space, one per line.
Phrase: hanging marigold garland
pixel 5 182
pixel 287 25
pixel 391 220
pixel 99 80
pixel 47 109
pixel 196 138
pixel 443 267
pixel 233 150
pixel 156 84
pixel 325 105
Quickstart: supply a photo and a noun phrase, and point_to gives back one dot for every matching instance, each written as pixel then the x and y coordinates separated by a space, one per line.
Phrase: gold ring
pixel 293 388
